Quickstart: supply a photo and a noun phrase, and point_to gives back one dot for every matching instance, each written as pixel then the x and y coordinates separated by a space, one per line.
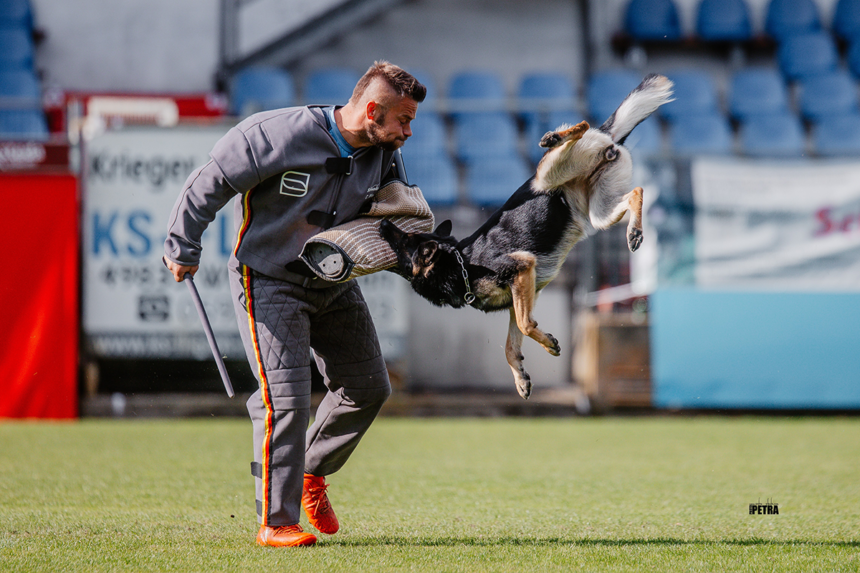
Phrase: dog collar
pixel 469 297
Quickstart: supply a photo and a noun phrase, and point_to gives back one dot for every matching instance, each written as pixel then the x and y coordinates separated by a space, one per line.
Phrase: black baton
pixel 189 280
pixel 401 169
pixel 210 336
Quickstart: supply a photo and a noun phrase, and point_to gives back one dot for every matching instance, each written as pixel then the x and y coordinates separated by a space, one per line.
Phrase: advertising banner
pixel 778 226
pixel 132 306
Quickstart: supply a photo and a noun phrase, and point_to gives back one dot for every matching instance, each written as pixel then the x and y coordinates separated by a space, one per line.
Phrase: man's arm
pixel 231 170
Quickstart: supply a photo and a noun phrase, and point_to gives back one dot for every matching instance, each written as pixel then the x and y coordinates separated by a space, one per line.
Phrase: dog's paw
pixel 524 386
pixel 634 239
pixel 553 347
pixel 550 139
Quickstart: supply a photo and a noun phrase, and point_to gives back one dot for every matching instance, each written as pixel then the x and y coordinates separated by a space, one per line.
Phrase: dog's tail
pixel 654 91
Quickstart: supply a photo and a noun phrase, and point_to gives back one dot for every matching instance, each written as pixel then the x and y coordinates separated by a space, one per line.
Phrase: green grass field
pixel 603 494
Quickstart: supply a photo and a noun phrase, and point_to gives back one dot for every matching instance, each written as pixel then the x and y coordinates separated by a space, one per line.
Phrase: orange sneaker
pixel 317 507
pixel 285 536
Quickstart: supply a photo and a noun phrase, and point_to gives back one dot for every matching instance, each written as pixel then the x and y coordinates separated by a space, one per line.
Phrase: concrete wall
pixel 128 45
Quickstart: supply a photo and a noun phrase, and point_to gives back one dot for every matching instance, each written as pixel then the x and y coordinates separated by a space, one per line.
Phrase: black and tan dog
pixel 581 186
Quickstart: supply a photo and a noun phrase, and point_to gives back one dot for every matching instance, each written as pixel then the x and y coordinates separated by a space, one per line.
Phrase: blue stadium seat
pixel 491 181
pixel 258 89
pixel 773 136
pixel 757 91
pixel 19 88
pixel 543 99
pixel 723 21
pixel 646 138
pixel 24 124
pixel 846 20
pixel 476 92
pixel 330 86
pixel 837 135
pixel 853 57
pixel 482 135
pixel 828 94
pixel 535 130
pixel 546 91
pixel 16 13
pixel 807 54
pixel 606 90
pixel 16 48
pixel 436 176
pixel 652 20
pixel 695 94
pixel 429 138
pixel 788 17
pixel 701 134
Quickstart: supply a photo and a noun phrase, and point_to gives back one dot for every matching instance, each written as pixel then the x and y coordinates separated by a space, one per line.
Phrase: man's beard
pixel 376 135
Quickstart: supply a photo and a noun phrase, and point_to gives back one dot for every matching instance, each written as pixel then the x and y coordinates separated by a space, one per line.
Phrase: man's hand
pixel 178 270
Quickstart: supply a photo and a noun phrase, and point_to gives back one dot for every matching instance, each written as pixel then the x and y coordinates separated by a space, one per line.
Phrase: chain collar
pixel 469 297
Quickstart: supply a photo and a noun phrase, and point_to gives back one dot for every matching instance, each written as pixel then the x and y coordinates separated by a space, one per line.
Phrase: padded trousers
pixel 280 322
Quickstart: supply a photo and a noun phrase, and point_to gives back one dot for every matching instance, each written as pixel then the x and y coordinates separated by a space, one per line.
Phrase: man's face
pixel 390 127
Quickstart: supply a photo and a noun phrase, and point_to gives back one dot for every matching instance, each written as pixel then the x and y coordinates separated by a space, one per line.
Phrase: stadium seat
pixel 535 130
pixel 853 57
pixel 757 91
pixel 828 94
pixel 652 20
pixel 476 92
pixel 846 20
pixel 482 135
pixel 701 134
pixel 695 94
pixel 788 17
pixel 646 138
pixel 723 21
pixel 606 90
pixel 543 99
pixel 19 88
pixel 546 92
pixel 807 54
pixel 330 86
pixel 837 135
pixel 428 137
pixel 16 13
pixel 436 176
pixel 491 181
pixel 23 124
pixel 556 119
pixel 16 48
pixel 258 89
pixel 778 135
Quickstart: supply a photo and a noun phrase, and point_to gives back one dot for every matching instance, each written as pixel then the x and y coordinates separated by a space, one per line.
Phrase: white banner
pixel 777 225
pixel 132 307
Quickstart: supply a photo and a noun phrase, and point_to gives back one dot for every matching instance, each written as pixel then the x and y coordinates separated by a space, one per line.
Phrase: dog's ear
pixel 654 91
pixel 426 252
pixel 444 228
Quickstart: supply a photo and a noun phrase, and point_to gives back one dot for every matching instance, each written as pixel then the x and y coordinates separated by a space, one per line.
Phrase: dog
pixel 582 185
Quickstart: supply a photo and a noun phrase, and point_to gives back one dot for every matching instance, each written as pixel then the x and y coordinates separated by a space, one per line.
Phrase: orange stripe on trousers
pixel 264 391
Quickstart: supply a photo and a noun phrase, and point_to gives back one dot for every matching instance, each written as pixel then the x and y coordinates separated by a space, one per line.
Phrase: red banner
pixel 39 296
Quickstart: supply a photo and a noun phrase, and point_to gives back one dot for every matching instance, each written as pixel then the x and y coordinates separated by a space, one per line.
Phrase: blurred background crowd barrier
pixel 743 296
